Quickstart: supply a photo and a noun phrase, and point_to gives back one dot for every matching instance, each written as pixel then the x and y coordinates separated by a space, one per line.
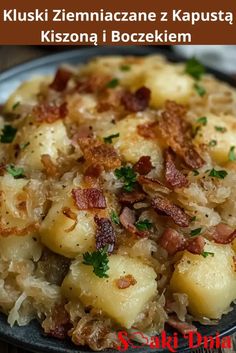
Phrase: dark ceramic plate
pixel 30 337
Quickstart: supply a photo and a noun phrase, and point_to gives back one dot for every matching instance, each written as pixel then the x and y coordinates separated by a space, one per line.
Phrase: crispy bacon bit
pixel 143 166
pixel 7 231
pixel 125 281
pixel 138 101
pixel 61 79
pixel 110 99
pixel 127 219
pixel 105 234
pixel 152 183
pixel 147 130
pixel 174 177
pixel 129 198
pixel 49 113
pixel 176 133
pixel 172 241
pixel 183 327
pixel 223 234
pixel 196 245
pixel 49 166
pixel 96 152
pixel 2 169
pixel 58 323
pixel 92 84
pixel 86 199
pixel 93 171
pixel 165 207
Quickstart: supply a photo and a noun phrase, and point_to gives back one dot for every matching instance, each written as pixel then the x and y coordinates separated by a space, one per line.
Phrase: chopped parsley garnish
pixel 143 225
pixel 212 143
pixel 232 156
pixel 113 83
pixel 207 253
pixel 115 218
pixel 128 176
pixel 202 120
pixel 194 68
pixel 220 174
pixel 17 173
pixel 200 90
pixel 8 134
pixel 195 232
pixel 99 260
pixel 195 172
pixel 193 219
pixel 15 105
pixel 220 129
pixel 109 138
pixel 125 67
pixel 24 145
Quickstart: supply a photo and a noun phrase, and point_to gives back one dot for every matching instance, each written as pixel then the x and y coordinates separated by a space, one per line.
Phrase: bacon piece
pixel 196 245
pixel 110 99
pixel 147 130
pixel 172 241
pixel 137 101
pixel 93 171
pixel 129 198
pixel 58 323
pixel 105 234
pixel 7 231
pixel 143 166
pixel 49 166
pixel 127 219
pixel 176 132
pixel 96 152
pixel 82 131
pixel 92 84
pixel 174 177
pixel 183 327
pixel 125 281
pixel 50 113
pixel 86 199
pixel 154 184
pixel 61 79
pixel 223 234
pixel 166 207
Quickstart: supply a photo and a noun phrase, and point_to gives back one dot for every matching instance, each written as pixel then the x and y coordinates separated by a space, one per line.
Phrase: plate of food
pixel 118 213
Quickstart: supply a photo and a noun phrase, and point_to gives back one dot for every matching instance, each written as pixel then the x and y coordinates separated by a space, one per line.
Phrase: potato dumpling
pixel 131 145
pixel 42 139
pixel 209 282
pixel 26 92
pixel 168 84
pixel 123 305
pixel 67 236
pixel 12 194
pixel 219 134
pixel 19 248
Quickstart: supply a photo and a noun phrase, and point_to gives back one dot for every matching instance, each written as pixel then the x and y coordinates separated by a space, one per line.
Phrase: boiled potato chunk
pixel 62 235
pixel 12 193
pixel 43 139
pixel 137 145
pixel 26 92
pixel 224 139
pixel 210 282
pixel 16 247
pixel 123 305
pixel 168 84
